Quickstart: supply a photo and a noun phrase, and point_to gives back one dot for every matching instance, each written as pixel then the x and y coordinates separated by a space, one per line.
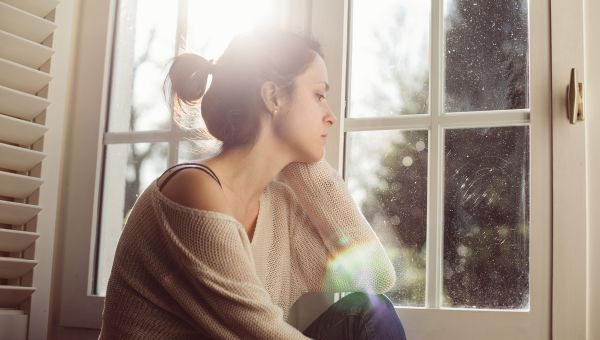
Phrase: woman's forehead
pixel 316 73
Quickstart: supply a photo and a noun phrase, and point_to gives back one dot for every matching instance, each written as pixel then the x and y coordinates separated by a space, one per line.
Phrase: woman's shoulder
pixel 195 189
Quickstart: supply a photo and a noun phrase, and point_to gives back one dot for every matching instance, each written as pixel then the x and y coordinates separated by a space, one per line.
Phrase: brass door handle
pixel 574 99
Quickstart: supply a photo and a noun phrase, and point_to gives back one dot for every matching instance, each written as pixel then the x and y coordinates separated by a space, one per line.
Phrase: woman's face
pixel 305 119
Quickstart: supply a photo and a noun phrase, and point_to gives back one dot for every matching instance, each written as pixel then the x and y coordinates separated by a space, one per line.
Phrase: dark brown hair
pixel 232 106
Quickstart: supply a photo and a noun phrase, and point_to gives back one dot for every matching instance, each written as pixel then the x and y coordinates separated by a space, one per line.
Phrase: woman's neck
pixel 246 171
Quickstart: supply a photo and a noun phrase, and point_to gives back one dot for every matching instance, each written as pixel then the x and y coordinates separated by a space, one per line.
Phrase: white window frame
pixel 78 308
pixel 570 182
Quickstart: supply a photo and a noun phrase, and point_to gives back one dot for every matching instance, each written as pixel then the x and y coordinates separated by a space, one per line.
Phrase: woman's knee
pixel 379 315
pixel 368 302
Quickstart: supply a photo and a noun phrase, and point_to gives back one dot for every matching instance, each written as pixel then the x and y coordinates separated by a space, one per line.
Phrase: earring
pixel 275 111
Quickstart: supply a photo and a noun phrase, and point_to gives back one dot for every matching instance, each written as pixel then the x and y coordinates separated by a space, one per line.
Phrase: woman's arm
pixel 339 250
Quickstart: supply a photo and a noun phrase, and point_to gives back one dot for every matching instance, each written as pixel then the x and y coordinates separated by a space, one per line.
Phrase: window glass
pixel 386 172
pixel 389 58
pixel 121 188
pixel 197 149
pixel 486 55
pixel 144 47
pixel 212 24
pixel 486 217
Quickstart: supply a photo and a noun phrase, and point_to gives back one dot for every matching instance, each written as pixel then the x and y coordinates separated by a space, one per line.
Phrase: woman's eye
pixel 320 97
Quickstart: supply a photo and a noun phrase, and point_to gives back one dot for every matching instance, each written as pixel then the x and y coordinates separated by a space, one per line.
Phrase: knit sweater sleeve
pixel 221 293
pixel 337 248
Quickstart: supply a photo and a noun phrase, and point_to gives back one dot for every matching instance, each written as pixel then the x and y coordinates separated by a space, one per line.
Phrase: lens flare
pixel 354 267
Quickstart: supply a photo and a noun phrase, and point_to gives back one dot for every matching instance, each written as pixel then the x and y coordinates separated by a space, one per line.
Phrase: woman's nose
pixel 330 117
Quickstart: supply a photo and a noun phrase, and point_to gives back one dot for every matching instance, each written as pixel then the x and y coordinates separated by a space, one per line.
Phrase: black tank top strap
pixel 183 166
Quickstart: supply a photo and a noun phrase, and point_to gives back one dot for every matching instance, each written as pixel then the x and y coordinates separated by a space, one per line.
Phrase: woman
pixel 220 249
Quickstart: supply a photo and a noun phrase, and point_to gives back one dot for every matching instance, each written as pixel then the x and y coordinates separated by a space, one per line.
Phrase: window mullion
pixel 433 282
pixel 136 137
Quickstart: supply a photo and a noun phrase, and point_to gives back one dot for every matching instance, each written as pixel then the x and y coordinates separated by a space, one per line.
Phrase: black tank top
pixel 182 166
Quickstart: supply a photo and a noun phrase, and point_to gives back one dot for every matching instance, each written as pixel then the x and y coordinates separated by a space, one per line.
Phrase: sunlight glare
pixel 212 24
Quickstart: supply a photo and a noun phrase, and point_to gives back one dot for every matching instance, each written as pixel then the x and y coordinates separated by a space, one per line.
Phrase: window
pixel 419 121
pixel 443 119
pixel 483 192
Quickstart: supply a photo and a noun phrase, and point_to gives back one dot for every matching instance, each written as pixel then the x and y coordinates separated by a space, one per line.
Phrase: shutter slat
pixel 17 186
pixel 16 240
pixel 14 268
pixel 21 77
pixel 13 296
pixel 13 324
pixel 17 213
pixel 19 159
pixel 18 131
pixel 23 51
pixel 20 104
pixel 24 24
pixel 40 8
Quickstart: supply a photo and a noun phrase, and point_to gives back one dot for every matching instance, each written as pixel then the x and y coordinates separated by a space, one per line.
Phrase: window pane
pixel 486 55
pixel 212 24
pixel 386 172
pixel 144 47
pixel 197 149
pixel 389 73
pixel 142 162
pixel 486 218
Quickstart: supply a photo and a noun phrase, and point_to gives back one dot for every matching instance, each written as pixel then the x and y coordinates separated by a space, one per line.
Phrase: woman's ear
pixel 269 92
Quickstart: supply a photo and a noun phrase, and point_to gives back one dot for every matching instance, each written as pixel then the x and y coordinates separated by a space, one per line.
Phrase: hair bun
pixel 189 75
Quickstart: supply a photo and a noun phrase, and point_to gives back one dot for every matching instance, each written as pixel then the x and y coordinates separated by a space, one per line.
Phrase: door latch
pixel 574 99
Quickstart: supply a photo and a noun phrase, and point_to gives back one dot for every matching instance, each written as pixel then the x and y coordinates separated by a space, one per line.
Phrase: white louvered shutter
pixel 26 28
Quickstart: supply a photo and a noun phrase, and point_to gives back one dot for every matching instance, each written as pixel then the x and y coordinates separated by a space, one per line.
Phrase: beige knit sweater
pixel 183 273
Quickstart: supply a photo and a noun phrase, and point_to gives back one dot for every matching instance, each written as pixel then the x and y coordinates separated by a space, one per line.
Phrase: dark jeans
pixel 358 316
